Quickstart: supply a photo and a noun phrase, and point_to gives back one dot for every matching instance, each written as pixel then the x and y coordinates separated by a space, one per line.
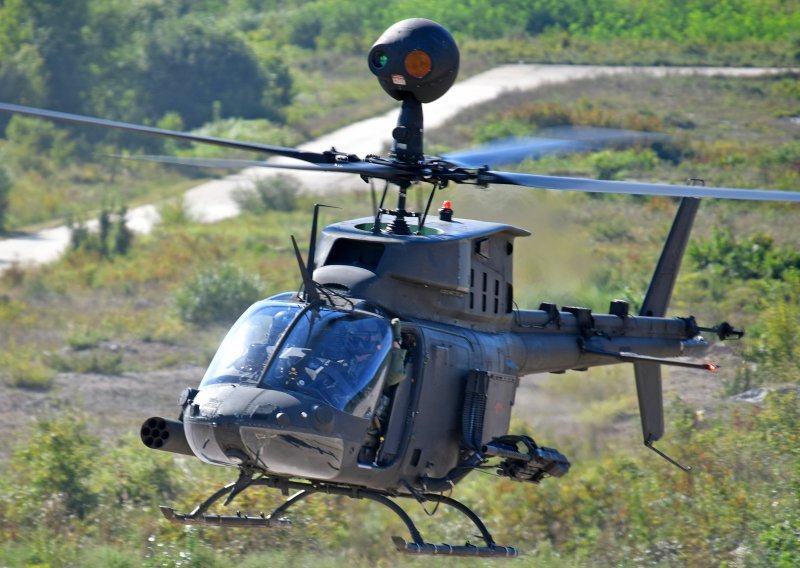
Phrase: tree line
pixel 141 60
pixel 136 61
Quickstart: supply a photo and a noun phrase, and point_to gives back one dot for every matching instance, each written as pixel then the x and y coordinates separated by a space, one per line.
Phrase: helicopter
pixel 391 373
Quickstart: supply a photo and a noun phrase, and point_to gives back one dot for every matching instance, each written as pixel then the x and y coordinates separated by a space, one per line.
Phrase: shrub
pixel 217 295
pixel 274 193
pixel 750 258
pixel 21 366
pixel 38 144
pixel 774 343
pixel 173 213
pixel 57 463
pixel 613 164
pixel 113 238
pixel 29 374
pixel 94 361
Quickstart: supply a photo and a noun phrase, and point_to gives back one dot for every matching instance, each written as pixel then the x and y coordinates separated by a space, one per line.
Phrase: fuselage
pixel 406 367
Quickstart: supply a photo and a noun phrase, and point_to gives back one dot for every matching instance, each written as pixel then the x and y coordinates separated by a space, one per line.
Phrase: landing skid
pixel 416 546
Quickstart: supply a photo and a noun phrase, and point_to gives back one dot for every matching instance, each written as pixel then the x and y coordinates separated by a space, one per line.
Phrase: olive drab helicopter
pixel 392 373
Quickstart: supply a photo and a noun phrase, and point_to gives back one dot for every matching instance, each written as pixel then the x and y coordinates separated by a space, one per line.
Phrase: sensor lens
pixel 418 64
pixel 379 59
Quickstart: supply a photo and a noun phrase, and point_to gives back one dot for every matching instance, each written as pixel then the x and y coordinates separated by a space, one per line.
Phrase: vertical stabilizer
pixel 648 375
pixel 660 290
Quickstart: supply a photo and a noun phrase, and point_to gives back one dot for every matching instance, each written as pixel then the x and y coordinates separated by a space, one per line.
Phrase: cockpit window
pixel 336 357
pixel 249 343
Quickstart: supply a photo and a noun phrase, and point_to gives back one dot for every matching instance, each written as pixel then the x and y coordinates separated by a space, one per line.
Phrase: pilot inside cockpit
pixel 335 356
pixel 341 361
pixel 342 365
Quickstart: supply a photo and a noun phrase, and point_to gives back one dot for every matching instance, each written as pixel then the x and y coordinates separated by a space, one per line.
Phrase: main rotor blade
pixel 360 168
pixel 313 157
pixel 634 188
pixel 510 152
pixel 555 140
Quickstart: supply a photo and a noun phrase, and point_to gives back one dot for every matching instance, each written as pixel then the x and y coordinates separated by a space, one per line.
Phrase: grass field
pixel 112 322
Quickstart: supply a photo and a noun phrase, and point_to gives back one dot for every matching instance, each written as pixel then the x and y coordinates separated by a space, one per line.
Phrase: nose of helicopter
pixel 279 432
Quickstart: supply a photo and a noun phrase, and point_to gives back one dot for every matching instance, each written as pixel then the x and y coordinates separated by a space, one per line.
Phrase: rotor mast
pixel 407 135
pixel 406 148
pixel 416 61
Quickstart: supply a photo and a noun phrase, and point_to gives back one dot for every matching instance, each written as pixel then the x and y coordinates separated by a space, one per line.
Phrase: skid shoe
pixel 418 546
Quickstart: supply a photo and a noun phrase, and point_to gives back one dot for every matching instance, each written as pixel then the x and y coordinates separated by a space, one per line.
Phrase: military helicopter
pixel 391 374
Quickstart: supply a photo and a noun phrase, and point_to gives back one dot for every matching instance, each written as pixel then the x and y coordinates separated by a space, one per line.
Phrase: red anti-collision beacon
pixel 446 212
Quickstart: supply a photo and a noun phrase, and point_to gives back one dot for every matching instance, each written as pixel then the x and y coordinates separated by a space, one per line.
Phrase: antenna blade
pixel 312 294
pixel 634 188
pixel 651 401
pixel 312 244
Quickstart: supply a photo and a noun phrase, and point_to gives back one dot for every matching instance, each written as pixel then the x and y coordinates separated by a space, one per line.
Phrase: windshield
pixel 246 348
pixel 336 357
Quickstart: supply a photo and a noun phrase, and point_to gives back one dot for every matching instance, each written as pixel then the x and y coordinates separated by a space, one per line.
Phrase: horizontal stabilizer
pixel 648 375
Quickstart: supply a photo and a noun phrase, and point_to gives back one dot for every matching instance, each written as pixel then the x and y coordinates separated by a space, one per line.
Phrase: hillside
pixel 253 70
pixel 100 340
pixel 107 336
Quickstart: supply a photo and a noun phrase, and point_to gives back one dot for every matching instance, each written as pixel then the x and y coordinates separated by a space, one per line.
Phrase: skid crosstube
pixel 416 546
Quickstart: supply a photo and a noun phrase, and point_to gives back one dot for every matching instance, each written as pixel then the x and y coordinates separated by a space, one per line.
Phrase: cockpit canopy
pixel 336 357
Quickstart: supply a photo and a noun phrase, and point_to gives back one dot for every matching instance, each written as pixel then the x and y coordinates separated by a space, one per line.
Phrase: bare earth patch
pixel 113 405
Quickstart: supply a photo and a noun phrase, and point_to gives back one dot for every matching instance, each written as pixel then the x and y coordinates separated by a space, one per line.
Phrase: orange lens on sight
pixel 418 64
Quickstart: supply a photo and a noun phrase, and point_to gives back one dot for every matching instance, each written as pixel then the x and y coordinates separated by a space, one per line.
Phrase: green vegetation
pixel 116 311
pixel 755 257
pixel 217 296
pixel 22 368
pixel 95 361
pixel 281 74
pixel 5 189
pixel 275 193
pixel 741 502
pixel 112 238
